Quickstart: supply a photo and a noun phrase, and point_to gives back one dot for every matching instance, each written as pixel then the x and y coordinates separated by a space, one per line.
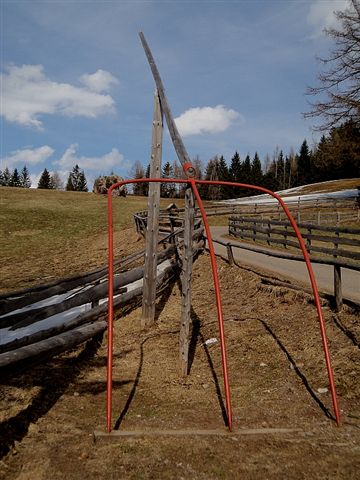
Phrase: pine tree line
pixel 336 156
pixel 76 180
pixel 14 178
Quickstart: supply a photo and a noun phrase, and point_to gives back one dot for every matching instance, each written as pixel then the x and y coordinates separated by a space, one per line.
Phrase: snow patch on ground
pixel 268 199
pixel 7 335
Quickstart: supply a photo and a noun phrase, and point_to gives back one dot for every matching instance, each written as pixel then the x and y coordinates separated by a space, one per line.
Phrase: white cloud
pixel 105 162
pixel 27 93
pixel 28 156
pixel 321 15
pixel 205 120
pixel 100 81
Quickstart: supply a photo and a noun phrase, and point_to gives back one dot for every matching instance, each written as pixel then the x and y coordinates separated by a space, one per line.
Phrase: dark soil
pixel 278 379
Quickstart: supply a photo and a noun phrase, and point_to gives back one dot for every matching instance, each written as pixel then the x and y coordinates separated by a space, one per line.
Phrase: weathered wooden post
pixel 186 278
pixel 337 288
pixel 337 279
pixel 230 254
pixel 152 229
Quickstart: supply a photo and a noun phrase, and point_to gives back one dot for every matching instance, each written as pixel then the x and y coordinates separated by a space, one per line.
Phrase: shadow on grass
pixel 54 381
pixel 297 370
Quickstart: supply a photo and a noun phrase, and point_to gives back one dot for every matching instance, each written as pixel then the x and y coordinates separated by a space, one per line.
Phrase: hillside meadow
pixel 47 233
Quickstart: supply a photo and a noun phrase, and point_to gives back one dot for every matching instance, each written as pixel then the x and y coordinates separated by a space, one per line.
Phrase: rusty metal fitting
pixel 189 170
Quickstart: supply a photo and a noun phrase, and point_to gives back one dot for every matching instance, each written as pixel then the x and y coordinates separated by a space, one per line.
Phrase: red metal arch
pixel 193 182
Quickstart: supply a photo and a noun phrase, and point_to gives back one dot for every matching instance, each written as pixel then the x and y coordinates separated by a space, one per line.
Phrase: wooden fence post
pixel 152 229
pixel 186 277
pixel 337 288
pixel 337 279
pixel 230 254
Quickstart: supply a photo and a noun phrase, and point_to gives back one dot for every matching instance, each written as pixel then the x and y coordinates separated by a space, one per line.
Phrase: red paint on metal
pixel 193 183
pixel 218 305
pixel 110 317
pixel 189 169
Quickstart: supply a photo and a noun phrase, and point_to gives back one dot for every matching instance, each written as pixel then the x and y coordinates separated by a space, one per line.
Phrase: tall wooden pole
pixel 152 230
pixel 186 277
pixel 174 134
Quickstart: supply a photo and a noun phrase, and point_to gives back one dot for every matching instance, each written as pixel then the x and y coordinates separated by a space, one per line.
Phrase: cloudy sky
pixel 76 86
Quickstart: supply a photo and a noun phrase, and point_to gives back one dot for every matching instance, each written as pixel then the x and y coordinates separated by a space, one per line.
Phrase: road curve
pixel 293 269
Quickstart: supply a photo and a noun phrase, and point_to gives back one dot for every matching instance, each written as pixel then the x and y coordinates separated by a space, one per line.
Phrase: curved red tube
pixel 193 183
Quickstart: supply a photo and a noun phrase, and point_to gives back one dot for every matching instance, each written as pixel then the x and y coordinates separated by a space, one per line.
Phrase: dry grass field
pixel 277 372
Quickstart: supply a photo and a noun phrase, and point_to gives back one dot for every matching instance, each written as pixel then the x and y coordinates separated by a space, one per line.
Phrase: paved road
pixel 293 269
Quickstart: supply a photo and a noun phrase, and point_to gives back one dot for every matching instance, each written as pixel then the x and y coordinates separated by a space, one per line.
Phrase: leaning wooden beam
pixel 152 230
pixel 174 134
pixel 186 277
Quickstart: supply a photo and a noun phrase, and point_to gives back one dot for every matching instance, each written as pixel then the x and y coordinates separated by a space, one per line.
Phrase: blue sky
pixel 76 86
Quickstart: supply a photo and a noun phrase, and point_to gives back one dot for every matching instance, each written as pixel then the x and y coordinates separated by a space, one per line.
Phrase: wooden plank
pixel 186 277
pixel 120 434
pixel 174 134
pixel 235 219
pixel 152 230
pixel 290 256
pixel 314 248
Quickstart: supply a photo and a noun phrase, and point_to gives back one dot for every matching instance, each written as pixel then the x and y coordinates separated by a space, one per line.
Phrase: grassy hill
pixel 49 233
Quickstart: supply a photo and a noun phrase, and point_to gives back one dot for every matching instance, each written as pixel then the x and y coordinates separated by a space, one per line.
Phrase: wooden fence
pixel 26 308
pixel 337 246
pixel 333 211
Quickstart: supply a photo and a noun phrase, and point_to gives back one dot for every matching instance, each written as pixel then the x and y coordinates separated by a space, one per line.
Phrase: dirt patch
pixel 278 380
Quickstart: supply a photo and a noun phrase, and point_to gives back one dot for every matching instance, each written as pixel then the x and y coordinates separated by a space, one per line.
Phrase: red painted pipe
pixel 218 305
pixel 193 183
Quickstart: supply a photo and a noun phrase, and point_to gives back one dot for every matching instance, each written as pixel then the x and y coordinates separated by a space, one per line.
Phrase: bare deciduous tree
pixel 339 88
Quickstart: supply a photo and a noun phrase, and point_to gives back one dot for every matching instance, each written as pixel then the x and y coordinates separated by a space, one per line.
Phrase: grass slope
pixel 48 233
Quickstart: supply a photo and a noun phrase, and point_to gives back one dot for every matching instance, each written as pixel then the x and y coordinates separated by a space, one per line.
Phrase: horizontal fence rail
pixel 335 242
pixel 28 330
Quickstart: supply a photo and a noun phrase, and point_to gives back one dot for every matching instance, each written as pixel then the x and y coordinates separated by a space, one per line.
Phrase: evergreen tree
pixel 44 181
pixel 287 172
pixel 25 178
pixel 304 165
pixel 338 155
pixel 82 185
pixel 167 190
pixel 15 179
pixel 256 172
pixel 76 181
pixel 235 168
pixel 6 177
pixel 281 171
pixel 146 185
pixel 246 174
pixel 1 179
pixel 224 176
pixel 235 173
